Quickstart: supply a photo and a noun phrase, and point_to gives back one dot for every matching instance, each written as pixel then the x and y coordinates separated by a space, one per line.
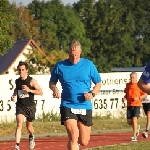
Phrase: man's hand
pixel 88 96
pixel 56 93
pixel 25 88
pixel 13 98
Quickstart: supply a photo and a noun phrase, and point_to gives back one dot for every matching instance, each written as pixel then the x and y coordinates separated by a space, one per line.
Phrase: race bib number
pixel 146 101
pixel 78 111
pixel 22 94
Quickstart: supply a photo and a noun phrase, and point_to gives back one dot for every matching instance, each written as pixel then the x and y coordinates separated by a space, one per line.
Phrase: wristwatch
pixel 93 94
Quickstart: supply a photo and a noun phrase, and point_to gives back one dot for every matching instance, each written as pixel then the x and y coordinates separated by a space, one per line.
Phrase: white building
pixel 10 60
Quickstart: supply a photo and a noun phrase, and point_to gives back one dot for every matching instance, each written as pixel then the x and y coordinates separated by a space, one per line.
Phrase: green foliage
pixel 50 123
pixel 113 33
pixel 114 24
pixel 24 26
pixel 51 116
pixel 57 28
pixel 108 116
pixel 128 146
pixel 38 62
pixel 6 19
pixel 42 63
pixel 55 56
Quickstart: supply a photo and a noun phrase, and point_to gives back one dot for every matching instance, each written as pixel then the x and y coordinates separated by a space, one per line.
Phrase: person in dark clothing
pixel 26 88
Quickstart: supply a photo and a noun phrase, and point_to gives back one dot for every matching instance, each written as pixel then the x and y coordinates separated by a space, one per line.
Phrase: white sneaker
pixel 145 134
pixel 31 143
pixel 134 138
pixel 16 147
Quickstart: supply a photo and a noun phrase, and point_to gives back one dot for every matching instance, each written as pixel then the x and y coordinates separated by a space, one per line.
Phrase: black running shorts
pixel 133 111
pixel 146 107
pixel 67 114
pixel 28 112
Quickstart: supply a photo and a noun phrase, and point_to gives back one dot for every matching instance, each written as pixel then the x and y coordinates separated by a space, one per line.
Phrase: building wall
pixel 21 57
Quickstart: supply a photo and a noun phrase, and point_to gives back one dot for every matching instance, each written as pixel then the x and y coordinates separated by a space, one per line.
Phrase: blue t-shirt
pixel 75 79
pixel 146 74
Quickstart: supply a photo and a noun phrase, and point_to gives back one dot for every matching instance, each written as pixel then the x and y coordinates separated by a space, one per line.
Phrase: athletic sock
pixel 17 144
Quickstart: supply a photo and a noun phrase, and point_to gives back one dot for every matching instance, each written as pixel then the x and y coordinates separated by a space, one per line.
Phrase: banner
pixel 107 101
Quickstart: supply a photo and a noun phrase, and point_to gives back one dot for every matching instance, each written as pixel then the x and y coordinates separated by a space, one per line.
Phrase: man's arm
pixel 96 88
pixel 143 96
pixel 15 92
pixel 144 86
pixel 38 89
pixel 53 87
pixel 14 95
pixel 144 80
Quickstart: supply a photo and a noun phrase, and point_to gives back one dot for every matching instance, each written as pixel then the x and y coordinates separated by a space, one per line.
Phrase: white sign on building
pixel 107 101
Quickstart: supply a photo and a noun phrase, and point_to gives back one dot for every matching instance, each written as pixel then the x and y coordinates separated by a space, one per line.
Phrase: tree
pixel 55 56
pixel 111 26
pixel 142 32
pixel 6 18
pixel 24 26
pixel 40 63
pixel 57 28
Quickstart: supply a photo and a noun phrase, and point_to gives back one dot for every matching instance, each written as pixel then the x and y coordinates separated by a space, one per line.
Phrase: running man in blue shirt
pixel 76 76
pixel 144 81
pixel 144 85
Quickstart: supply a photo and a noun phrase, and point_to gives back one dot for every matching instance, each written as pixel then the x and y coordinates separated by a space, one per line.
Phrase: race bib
pixel 22 94
pixel 146 100
pixel 78 111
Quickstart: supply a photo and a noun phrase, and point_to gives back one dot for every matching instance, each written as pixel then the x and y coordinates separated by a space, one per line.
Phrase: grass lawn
pixel 131 146
pixel 44 126
pixel 51 124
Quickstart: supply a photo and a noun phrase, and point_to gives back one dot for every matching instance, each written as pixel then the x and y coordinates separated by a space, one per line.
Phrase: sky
pixel 25 2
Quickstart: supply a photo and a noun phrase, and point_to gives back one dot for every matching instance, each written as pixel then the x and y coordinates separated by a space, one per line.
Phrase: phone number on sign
pixel 8 107
pixel 111 103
